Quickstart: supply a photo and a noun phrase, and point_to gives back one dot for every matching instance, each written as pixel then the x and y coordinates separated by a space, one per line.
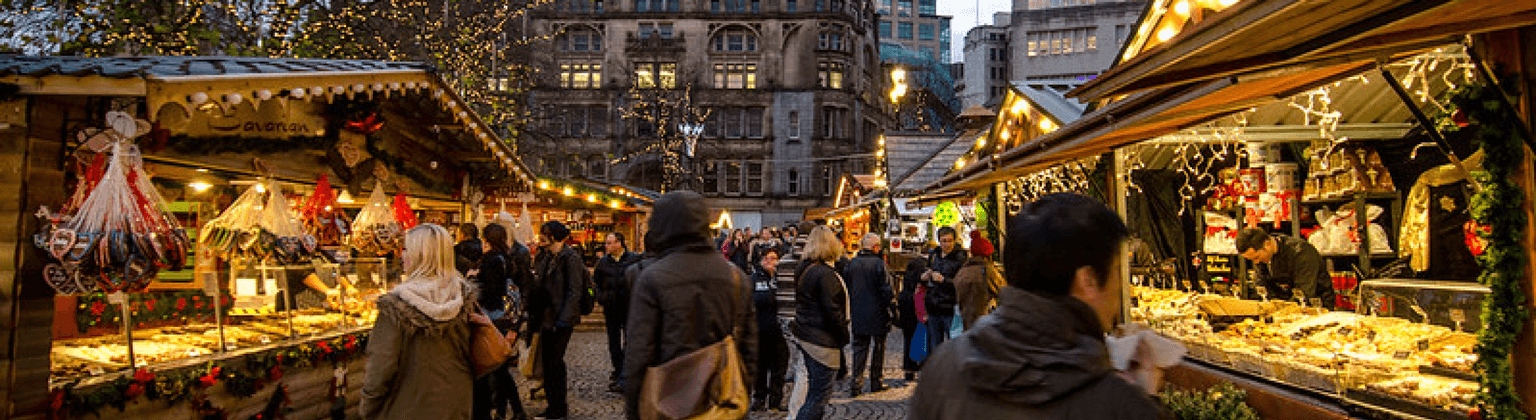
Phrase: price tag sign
pixel 211 284
pixel 117 298
pixel 265 340
pixel 1458 315
pixel 1400 355
pixel 1316 302
pixel 96 371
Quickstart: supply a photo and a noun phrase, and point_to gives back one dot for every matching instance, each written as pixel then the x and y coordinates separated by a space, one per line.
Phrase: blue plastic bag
pixel 919 347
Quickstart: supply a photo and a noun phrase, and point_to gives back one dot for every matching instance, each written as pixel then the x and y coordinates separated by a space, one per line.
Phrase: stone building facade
pixel 792 88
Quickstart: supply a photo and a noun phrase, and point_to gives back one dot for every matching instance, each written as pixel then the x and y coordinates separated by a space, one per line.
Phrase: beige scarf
pixel 439 298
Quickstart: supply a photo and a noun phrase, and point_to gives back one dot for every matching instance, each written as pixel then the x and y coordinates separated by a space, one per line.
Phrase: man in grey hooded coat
pixel 688 298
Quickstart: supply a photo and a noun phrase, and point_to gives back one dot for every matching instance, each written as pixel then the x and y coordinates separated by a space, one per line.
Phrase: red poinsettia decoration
pixel 1471 232
pixel 143 376
pixel 275 373
pixel 211 378
pixel 1460 118
pixel 149 305
pixel 1476 413
pixel 366 125
pixel 351 343
pixel 97 307
pixel 181 304
pixel 324 347
pixel 134 390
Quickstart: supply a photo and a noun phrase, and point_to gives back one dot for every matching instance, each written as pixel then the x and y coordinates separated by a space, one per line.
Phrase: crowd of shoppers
pixel 1043 317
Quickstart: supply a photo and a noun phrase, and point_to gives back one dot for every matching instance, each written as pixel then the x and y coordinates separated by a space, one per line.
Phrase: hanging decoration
pixel 403 212
pixel 120 235
pixel 376 231
pixel 323 219
pixel 260 225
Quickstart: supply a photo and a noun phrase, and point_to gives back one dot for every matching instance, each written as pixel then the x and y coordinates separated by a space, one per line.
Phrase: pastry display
pixel 1314 348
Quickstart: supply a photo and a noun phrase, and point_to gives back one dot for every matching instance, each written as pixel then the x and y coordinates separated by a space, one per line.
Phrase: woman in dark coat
pixel 907 308
pixel 497 389
pixel 821 323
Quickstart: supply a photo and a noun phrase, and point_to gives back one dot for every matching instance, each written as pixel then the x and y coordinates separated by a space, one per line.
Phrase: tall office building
pixel 1068 39
pixel 919 29
pixel 986 57
pixel 792 89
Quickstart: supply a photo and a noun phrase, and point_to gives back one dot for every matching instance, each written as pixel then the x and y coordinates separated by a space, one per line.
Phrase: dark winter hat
pixel 980 246
pixel 556 231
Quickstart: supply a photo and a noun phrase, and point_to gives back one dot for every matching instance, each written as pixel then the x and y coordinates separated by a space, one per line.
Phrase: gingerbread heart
pixel 60 242
pixel 60 280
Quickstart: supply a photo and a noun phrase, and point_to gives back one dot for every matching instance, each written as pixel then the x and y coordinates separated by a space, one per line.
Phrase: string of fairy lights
pixel 1203 149
pixel 678 124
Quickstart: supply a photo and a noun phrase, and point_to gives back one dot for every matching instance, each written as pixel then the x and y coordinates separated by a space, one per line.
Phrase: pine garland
pixel 1499 205
pixel 1221 402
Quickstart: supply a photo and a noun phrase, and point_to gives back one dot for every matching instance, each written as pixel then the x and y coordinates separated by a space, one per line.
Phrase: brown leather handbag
pixel 488 347
pixel 708 383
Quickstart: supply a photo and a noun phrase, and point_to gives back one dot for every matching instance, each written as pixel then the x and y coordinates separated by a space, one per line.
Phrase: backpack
pixel 588 290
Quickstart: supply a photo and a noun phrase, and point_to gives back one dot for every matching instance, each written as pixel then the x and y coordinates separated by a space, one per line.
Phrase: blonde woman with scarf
pixel 418 353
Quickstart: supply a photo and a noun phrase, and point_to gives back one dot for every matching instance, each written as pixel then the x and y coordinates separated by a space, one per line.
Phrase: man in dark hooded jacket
pixel 1041 354
pixel 688 298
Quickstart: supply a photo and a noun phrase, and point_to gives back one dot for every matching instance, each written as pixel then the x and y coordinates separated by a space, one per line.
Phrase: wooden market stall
pixel 1201 80
pixel 218 322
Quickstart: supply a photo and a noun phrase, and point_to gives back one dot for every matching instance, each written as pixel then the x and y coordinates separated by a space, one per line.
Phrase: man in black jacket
pixel 613 293
pixel 1041 354
pixel 1290 266
pixel 944 265
pixel 688 298
pixel 871 302
pixel 561 278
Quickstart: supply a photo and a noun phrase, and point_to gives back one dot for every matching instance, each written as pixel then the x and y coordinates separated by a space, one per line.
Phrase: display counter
pixel 1363 360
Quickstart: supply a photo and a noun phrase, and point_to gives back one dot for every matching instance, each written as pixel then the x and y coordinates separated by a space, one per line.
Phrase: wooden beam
pixel 73 85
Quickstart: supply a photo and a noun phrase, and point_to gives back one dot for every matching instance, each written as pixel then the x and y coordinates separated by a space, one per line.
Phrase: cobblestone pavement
pixel 589 367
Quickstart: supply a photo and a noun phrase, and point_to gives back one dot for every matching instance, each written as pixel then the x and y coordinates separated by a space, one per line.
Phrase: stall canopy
pixel 1192 62
pixel 291 111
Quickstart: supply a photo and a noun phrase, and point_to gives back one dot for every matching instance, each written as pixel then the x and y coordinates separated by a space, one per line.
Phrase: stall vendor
pixel 1289 265
pixel 307 289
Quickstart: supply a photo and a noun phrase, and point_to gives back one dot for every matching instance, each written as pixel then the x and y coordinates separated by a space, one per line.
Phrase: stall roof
pixel 186 84
pixel 181 66
pixel 1050 96
pixel 1367 109
pixel 1286 36
pixel 935 162
pixel 908 151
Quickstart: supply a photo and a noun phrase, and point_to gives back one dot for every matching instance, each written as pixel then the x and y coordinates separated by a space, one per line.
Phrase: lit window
pixel 581 75
pixel 829 75
pixel 736 75
pixel 655 75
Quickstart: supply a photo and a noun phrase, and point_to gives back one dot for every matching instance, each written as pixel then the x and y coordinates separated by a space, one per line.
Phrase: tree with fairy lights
pixel 668 125
pixel 478 47
pixel 138 27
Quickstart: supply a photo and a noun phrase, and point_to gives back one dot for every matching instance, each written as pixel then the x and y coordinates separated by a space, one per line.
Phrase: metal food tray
pixel 1384 403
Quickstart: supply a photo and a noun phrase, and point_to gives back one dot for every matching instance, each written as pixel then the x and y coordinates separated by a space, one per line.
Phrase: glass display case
pixel 1407 350
pixel 243 306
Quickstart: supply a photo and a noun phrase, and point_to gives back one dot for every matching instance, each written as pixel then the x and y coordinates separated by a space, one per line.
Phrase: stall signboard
pixel 268 119
pixel 948 214
pixel 602 217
